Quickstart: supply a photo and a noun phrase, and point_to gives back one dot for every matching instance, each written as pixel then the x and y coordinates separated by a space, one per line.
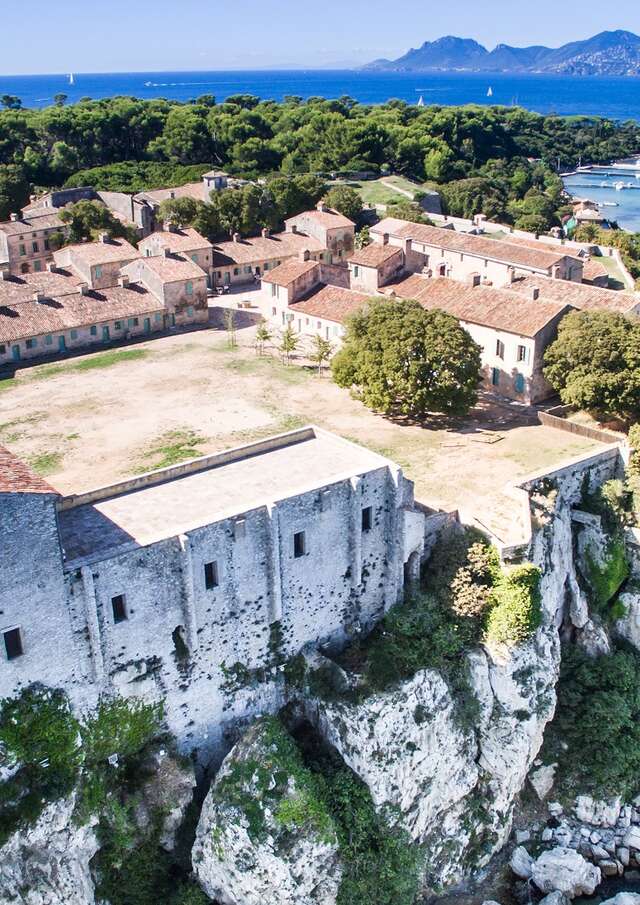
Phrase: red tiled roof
pixel 195 190
pixel 593 270
pixel 17 477
pixel 264 248
pixel 32 222
pixel 99 252
pixel 171 269
pixel 331 303
pixel 495 308
pixel 61 282
pixel 327 218
pixel 289 272
pixel 178 240
pixel 374 255
pixel 579 295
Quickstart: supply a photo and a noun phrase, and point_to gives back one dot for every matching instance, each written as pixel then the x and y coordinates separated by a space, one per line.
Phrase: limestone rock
pixel 170 787
pixel 564 870
pixel 632 838
pixel 542 780
pixel 48 862
pixel 555 898
pixel 521 862
pixel 623 898
pixel 597 812
pixel 593 639
pixel 629 626
pixel 243 854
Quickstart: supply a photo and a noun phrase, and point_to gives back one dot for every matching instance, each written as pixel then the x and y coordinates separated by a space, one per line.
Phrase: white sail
pixel 71 79
pixel 420 101
pixel 490 92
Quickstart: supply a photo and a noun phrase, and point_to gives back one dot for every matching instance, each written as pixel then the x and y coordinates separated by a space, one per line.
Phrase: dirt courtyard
pixel 93 420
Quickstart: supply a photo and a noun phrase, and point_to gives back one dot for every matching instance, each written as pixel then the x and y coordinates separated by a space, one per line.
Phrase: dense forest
pixel 503 160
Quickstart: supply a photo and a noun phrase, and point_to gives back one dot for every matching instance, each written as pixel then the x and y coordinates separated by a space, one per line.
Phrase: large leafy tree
pixel 595 363
pixel 346 200
pixel 399 358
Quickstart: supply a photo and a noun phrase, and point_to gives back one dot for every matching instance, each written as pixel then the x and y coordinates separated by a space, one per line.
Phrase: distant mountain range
pixel 612 53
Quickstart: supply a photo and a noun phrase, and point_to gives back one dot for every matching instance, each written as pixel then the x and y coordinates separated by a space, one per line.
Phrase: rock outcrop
pixel 564 870
pixel 48 862
pixel 256 841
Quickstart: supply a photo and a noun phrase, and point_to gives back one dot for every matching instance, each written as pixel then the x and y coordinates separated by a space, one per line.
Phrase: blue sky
pixel 127 35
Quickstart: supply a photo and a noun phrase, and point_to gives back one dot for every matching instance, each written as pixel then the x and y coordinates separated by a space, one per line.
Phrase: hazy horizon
pixel 214 36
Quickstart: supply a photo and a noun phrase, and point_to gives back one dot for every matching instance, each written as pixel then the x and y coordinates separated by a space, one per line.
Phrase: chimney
pixel 265 233
pixel 51 267
pixel 294 228
pixel 304 255
pixel 104 238
pixel 13 218
pixel 83 288
pixel 236 237
pixel 385 238
pixel 169 226
pixel 322 207
pixel 33 199
pixel 166 252
pixel 535 293
pixel 123 281
pixel 38 295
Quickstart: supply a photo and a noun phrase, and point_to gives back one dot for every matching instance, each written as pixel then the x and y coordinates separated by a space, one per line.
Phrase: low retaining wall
pixel 555 418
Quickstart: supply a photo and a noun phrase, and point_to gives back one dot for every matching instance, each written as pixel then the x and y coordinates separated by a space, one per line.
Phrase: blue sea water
pixel 621 205
pixel 618 98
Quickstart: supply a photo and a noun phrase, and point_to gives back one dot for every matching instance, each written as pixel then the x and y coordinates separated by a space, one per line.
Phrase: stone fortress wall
pixel 203 615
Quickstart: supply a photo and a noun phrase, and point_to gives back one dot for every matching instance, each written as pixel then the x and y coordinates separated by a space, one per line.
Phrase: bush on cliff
pixel 595 734
pixel 515 611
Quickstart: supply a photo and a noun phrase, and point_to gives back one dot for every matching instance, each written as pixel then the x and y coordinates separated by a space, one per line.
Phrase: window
pixel 35 247
pixel 3 349
pixel 13 643
pixel 118 325
pixel 48 339
pixel 356 270
pixel 189 288
pixel 194 258
pixel 210 575
pixel 519 383
pixel 523 354
pixel 37 266
pixel 31 343
pixel 98 272
pixel 274 289
pixel 23 249
pixel 499 348
pixel 133 322
pixel 236 272
pixel 190 311
pixel 157 318
pixel 219 274
pixel 248 269
pixel 273 312
pixel 266 265
pixel 366 518
pixel 47 245
pixel 119 608
pixel 299 546
pixel 495 376
pixel 93 330
pixel 74 334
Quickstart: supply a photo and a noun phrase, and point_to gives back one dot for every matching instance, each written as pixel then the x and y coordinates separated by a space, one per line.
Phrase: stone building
pixel 196 583
pixel 333 230
pixel 99 263
pixel 241 261
pixel 474 259
pixel 373 266
pixel 583 296
pixel 185 241
pixel 25 242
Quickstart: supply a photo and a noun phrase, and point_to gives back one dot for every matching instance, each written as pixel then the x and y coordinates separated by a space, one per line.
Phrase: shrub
pixel 595 734
pixel 606 579
pixel 121 727
pixel 515 613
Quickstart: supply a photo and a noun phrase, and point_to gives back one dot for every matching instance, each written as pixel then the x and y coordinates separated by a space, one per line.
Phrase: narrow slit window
pixel 367 518
pixel 299 545
pixel 119 608
pixel 210 575
pixel 13 643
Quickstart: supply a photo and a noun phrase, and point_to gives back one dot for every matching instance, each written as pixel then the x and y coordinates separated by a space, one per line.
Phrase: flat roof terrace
pixel 163 504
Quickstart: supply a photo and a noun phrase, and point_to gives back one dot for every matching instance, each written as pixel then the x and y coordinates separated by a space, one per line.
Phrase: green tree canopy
pixel 86 219
pixel 397 357
pixel 595 363
pixel 346 200
pixel 181 211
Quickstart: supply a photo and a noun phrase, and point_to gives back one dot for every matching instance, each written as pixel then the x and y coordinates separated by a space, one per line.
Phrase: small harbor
pixel 615 188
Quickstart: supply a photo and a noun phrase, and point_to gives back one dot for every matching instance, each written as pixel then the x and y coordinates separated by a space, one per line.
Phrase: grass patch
pixel 11 431
pixel 97 361
pixel 46 463
pixel 171 448
pixel 6 384
pixel 267 365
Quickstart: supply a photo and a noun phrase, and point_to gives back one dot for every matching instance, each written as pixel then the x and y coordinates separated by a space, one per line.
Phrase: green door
pixel 105 335
pixel 15 353
pixel 147 325
pixel 62 345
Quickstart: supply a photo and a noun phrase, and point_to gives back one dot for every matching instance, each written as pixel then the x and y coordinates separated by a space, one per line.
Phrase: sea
pixel 615 98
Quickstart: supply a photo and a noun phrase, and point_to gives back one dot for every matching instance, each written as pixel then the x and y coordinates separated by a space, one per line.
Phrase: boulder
pixel 632 838
pixel 542 780
pixel 521 862
pixel 564 870
pixel 555 898
pixel 47 863
pixel 623 898
pixel 258 840
pixel 596 812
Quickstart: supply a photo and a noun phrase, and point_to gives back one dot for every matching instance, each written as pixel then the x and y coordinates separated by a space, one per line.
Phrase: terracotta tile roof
pixel 331 303
pixel 92 253
pixel 170 269
pixel 213 173
pixel 62 282
pixel 579 295
pixel 32 223
pixel 178 240
pixel 389 225
pixel 495 308
pixel 25 319
pixel 541 245
pixel 464 243
pixel 593 270
pixel 327 218
pixel 375 255
pixel 289 272
pixel 195 190
pixel 17 477
pixel 264 248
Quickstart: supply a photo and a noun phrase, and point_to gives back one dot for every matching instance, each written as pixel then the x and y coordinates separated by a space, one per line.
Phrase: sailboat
pixel 71 79
pixel 490 92
pixel 420 101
